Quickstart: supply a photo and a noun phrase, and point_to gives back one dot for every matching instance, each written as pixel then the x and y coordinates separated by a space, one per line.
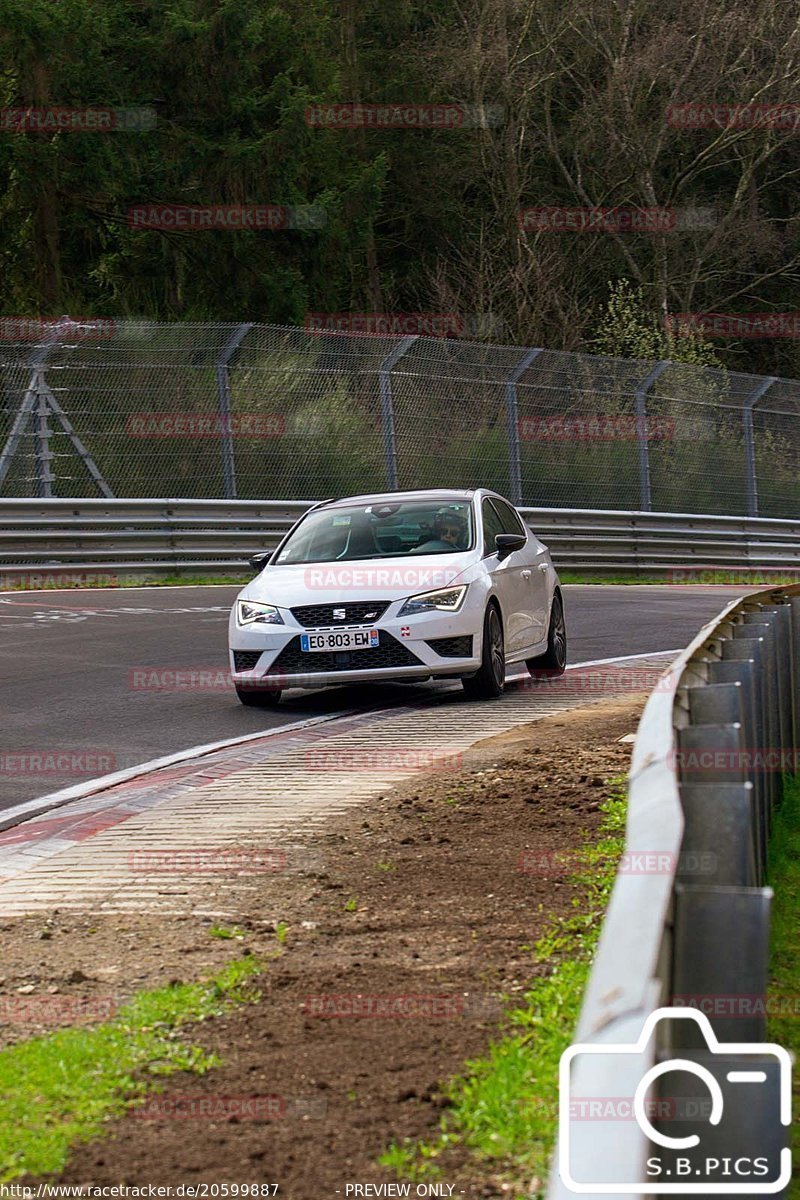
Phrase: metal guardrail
pixel 139 535
pixel 705 780
pixel 218 535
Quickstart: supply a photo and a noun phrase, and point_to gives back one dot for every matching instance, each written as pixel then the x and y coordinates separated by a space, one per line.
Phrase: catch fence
pixel 135 409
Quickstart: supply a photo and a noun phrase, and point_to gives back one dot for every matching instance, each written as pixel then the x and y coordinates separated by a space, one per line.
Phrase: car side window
pixel 492 525
pixel 510 519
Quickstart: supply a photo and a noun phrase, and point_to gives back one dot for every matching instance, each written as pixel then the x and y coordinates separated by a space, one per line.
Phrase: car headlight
pixel 444 600
pixel 250 612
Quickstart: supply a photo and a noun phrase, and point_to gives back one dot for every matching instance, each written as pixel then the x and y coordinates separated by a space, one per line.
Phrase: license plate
pixel 356 639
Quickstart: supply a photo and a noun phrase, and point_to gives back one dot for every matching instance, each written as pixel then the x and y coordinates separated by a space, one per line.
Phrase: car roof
pixel 442 495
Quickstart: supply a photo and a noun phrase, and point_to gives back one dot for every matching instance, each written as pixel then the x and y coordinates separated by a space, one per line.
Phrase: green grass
pixel 503 1108
pixel 567 577
pixel 578 577
pixel 60 1089
pixel 240 579
pixel 226 933
pixel 784 982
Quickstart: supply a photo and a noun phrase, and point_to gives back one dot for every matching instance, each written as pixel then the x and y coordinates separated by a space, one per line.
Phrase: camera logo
pixel 718 1127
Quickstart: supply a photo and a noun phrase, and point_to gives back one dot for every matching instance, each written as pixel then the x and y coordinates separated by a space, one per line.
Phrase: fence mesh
pixel 142 409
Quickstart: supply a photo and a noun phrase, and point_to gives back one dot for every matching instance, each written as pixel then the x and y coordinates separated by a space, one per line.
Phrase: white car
pixel 399 586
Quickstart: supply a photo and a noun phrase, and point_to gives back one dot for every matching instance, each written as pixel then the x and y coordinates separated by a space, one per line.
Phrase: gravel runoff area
pixel 418 894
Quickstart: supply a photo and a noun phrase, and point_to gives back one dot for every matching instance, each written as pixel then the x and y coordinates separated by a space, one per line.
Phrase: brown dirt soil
pixel 421 895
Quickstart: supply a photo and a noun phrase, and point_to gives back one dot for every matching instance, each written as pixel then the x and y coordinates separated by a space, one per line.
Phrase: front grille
pixel 452 647
pixel 361 612
pixel 390 653
pixel 245 660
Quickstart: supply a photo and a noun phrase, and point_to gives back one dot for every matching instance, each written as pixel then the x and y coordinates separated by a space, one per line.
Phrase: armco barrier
pixel 706 777
pixel 219 535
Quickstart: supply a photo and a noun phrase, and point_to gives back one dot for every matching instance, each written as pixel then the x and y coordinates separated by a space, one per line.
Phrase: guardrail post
pixel 645 491
pixel 224 399
pixel 749 445
pixel 512 422
pixel 387 408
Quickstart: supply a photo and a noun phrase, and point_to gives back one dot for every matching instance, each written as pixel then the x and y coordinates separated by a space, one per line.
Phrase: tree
pixel 627 329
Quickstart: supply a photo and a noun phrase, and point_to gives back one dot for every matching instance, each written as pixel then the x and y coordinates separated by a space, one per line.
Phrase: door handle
pixel 543 567
pixel 525 574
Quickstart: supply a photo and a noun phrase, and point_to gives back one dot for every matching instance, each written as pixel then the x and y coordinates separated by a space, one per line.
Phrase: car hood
pixel 340 582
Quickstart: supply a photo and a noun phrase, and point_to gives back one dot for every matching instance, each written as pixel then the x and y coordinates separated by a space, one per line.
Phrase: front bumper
pixel 270 655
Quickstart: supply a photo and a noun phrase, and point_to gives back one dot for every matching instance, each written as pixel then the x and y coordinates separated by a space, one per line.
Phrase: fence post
pixel 44 476
pixel 17 430
pixel 224 401
pixel 749 445
pixel 645 492
pixel 387 407
pixel 512 424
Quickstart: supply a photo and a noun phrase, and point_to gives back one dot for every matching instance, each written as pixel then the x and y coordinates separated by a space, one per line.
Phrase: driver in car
pixel 449 533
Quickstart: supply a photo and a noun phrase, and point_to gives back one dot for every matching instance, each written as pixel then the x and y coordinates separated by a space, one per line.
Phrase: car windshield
pixel 385 529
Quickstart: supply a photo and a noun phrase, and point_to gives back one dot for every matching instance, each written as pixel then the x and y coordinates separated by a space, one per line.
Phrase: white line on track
pixel 44 804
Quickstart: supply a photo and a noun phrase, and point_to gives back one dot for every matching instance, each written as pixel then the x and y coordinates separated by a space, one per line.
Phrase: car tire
pixel 554 660
pixel 257 697
pixel 489 680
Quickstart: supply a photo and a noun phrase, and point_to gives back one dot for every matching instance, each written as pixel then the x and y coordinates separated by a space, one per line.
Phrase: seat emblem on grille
pixel 339 614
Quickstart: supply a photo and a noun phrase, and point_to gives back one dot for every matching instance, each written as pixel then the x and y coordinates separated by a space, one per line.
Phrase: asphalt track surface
pixel 67 663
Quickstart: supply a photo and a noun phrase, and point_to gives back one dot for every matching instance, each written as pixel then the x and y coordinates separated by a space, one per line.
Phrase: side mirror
pixel 507 543
pixel 260 560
